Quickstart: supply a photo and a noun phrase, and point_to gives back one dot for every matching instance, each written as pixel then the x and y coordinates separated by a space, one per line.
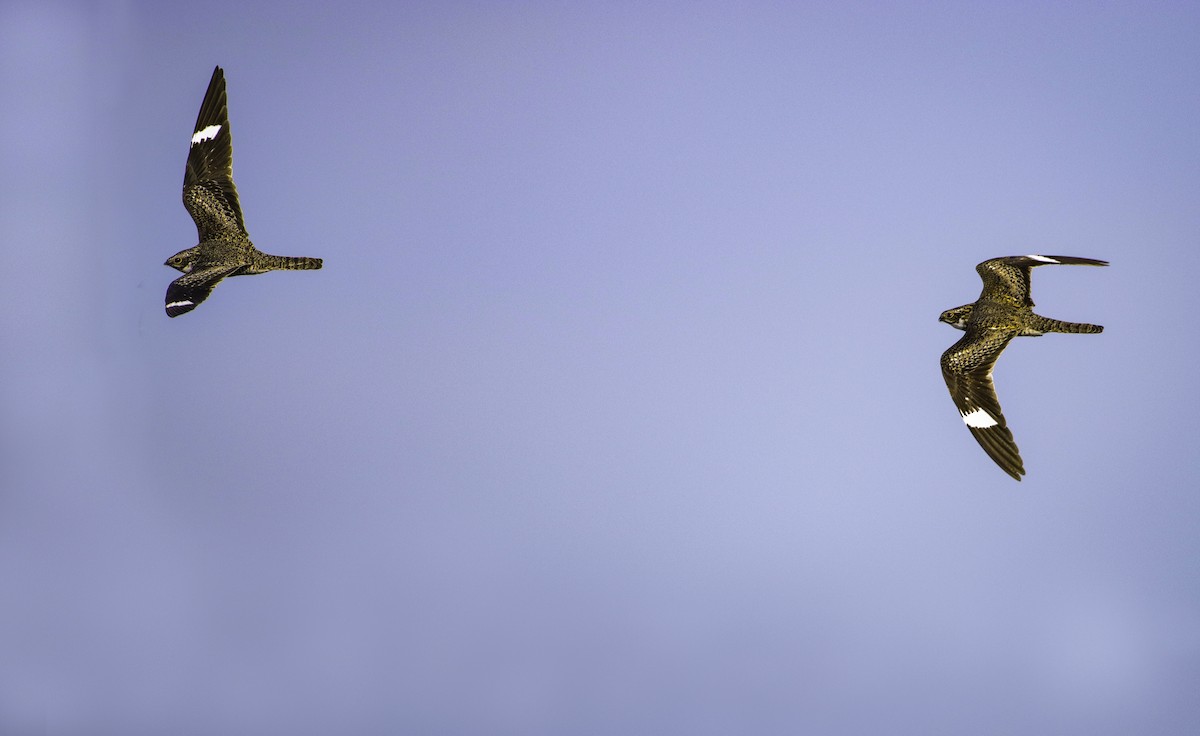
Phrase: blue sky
pixel 616 407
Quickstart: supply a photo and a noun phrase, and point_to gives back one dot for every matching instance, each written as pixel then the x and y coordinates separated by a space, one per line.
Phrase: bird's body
pixel 1003 311
pixel 211 199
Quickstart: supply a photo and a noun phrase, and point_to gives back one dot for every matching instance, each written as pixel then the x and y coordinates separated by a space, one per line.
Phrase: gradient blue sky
pixel 616 408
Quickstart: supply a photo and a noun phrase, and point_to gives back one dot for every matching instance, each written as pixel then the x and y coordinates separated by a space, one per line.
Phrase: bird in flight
pixel 1003 311
pixel 212 200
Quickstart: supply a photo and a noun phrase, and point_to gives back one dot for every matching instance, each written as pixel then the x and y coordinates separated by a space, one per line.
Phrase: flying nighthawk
pixel 211 199
pixel 1003 311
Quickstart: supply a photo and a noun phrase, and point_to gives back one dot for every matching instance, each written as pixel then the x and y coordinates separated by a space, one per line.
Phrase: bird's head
pixel 958 316
pixel 183 261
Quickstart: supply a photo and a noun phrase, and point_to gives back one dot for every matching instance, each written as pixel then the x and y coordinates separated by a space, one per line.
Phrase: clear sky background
pixel 616 407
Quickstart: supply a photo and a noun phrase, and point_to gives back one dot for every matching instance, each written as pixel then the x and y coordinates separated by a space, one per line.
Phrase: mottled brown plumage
pixel 212 200
pixel 1003 311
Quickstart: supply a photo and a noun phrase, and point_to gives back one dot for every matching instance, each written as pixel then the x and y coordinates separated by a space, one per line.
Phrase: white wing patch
pixel 183 303
pixel 1043 259
pixel 211 131
pixel 979 419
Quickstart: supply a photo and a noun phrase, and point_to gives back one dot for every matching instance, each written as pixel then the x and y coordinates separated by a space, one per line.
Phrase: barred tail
pixel 1045 324
pixel 290 263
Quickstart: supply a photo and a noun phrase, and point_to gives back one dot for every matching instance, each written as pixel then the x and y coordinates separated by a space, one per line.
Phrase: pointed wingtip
pixel 1068 260
pixel 183 306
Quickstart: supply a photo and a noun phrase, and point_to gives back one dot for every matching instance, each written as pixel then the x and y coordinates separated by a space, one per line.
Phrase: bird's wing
pixel 208 190
pixel 967 367
pixel 190 289
pixel 1007 279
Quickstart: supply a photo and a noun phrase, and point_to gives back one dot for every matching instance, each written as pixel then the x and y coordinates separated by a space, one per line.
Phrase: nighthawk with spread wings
pixel 212 200
pixel 1003 311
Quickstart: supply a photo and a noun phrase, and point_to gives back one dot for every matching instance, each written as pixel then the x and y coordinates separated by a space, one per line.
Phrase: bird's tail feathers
pixel 1045 324
pixel 291 263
